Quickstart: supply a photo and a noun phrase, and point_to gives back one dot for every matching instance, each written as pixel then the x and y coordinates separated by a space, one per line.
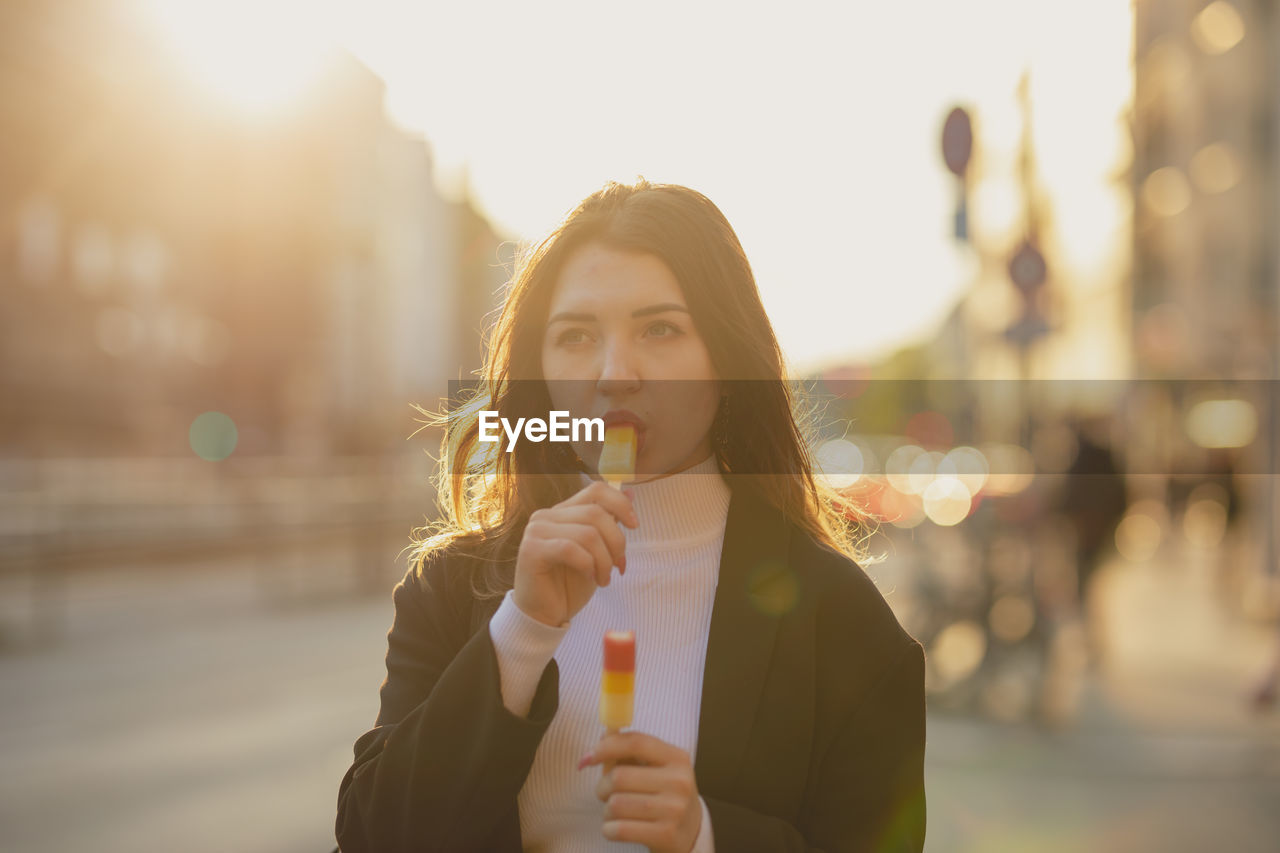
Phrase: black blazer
pixel 811 734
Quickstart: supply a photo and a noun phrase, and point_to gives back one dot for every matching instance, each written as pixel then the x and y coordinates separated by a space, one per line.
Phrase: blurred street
pixel 192 710
pixel 204 710
pixel 1164 753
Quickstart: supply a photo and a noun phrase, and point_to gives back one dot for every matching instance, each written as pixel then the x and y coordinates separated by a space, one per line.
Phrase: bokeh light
pixel 1205 521
pixel 839 462
pixel 1217 28
pixel 922 471
pixel 966 464
pixel 1215 168
pixel 958 650
pixel 946 501
pixel 1166 191
pixel 1012 617
pixel 1012 468
pixel 1166 65
pixel 897 467
pixel 901 509
pixel 870 462
pixel 213 436
pixel 1139 533
pixel 1222 423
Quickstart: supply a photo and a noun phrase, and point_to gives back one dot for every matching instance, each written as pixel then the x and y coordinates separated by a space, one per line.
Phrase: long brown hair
pixel 487 497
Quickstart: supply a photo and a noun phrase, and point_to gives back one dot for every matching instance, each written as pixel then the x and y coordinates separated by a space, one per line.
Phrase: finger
pixel 635 779
pixel 652 834
pixel 637 746
pixel 599 518
pixel 588 538
pixel 564 552
pixel 648 807
pixel 618 504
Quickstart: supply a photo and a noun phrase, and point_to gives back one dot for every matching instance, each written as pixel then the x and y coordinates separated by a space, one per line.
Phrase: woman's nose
pixel 618 370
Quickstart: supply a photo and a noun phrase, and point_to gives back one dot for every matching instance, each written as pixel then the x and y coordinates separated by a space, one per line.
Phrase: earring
pixel 720 431
pixel 570 457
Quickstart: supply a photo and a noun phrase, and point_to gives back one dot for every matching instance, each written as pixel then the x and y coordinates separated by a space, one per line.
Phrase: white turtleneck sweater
pixel 666 596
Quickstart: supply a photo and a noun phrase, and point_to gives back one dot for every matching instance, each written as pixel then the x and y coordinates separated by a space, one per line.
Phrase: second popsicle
pixel 618 680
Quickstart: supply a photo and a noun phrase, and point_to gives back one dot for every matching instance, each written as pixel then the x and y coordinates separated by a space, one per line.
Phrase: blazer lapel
pixel 741 638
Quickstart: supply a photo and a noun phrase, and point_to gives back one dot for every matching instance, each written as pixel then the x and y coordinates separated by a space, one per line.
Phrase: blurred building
pixel 1204 174
pixel 162 256
pixel 1206 298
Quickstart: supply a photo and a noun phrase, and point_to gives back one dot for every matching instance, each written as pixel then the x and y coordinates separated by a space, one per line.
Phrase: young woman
pixel 779 705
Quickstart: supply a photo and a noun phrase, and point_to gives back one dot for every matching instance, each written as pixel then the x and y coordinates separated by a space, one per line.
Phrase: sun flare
pixel 257 55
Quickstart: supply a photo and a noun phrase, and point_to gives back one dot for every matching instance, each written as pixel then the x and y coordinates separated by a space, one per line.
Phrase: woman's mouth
pixel 614 417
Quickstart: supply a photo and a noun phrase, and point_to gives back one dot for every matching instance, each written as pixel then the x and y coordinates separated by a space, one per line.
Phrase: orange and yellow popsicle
pixel 618 683
pixel 618 456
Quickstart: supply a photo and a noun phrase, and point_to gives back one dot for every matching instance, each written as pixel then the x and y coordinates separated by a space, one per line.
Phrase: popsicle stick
pixel 606 766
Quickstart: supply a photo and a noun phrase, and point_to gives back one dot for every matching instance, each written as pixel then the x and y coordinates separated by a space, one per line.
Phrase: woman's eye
pixel 671 330
pixel 572 336
pixel 660 329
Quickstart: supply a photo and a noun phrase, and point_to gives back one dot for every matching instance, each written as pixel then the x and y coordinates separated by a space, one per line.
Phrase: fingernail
pixel 610 829
pixel 584 761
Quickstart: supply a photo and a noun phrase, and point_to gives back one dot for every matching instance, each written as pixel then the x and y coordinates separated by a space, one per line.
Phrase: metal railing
pixel 60 516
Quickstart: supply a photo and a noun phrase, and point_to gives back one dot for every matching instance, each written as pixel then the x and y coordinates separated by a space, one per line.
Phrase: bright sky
pixel 814 127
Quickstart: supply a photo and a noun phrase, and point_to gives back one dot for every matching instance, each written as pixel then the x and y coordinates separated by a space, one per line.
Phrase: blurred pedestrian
pixel 1267 691
pixel 1095 501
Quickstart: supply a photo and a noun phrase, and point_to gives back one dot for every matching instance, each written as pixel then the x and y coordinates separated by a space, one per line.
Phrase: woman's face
pixel 618 332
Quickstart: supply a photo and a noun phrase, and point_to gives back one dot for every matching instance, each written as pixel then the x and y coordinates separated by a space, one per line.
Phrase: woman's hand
pixel 650 794
pixel 570 549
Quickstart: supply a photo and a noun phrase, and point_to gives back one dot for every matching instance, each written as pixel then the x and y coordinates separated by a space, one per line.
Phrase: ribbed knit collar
pixel 679 509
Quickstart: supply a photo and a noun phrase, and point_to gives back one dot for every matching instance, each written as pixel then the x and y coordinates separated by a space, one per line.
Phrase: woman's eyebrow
pixel 658 309
pixel 580 317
